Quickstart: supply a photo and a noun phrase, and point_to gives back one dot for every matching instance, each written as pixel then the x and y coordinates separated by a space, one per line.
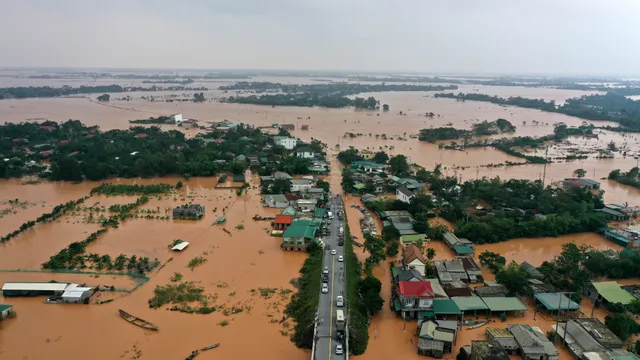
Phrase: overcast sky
pixel 599 37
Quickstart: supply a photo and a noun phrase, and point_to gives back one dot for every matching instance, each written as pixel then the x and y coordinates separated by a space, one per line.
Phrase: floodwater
pixel 249 258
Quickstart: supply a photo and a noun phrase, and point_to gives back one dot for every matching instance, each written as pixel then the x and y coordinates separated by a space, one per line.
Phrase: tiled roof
pixel 283 219
pixel 411 253
pixel 415 288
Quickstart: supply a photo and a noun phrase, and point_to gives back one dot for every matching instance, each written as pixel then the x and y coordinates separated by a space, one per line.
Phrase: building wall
pixel 4 313
pixel 301 187
pixel 418 265
pixel 288 144
pixel 305 155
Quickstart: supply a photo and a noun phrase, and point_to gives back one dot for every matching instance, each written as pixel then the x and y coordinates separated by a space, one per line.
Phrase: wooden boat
pixel 477 325
pixel 227 231
pixel 193 355
pixel 137 321
pixel 210 347
pixel 259 218
pixel 104 301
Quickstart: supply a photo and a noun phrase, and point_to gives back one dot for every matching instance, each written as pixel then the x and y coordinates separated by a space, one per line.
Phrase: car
pixel 325 278
pixel 325 288
pixel 339 301
pixel 340 258
pixel 333 252
pixel 339 350
pixel 326 270
pixel 341 243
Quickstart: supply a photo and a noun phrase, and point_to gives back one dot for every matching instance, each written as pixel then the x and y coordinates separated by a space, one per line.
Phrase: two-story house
pixel 413 259
pixel 301 185
pixel 405 195
pixel 286 142
pixel 414 297
pixel 305 152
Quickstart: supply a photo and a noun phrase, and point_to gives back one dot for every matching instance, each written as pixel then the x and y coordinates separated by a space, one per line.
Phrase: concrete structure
pixel 412 258
pixel 35 289
pixel 177 118
pixel 504 337
pixel 301 185
pixel 305 152
pixel 414 297
pixel 405 195
pixel 189 211
pixel 532 343
pixel 286 142
pixel 306 205
pixel 5 310
pixel 275 201
pixel 78 295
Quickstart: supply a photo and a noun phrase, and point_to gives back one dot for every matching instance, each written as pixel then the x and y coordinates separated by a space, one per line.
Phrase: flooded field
pixel 239 264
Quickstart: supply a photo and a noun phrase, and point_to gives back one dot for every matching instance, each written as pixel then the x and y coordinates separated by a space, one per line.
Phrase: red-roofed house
pixel 47 127
pixel 45 153
pixel 414 297
pixel 282 222
pixel 141 135
pixel 17 140
pixel 413 258
pixel 64 141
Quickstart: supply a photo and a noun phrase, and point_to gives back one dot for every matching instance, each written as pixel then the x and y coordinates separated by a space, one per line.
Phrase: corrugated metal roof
pixel 612 292
pixel 75 293
pixel 4 307
pixel 36 286
pixel 469 303
pixel 180 246
pixel 501 304
pixel 499 332
pixel 555 301
pixel 445 307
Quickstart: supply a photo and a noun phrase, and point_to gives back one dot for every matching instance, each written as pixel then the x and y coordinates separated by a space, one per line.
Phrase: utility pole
pixel 568 294
pixel 546 156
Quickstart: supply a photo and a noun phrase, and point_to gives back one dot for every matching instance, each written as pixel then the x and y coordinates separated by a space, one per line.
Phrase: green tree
pixel 324 185
pixel 622 325
pixel 376 248
pixel 381 157
pixel 579 173
pixel 385 107
pixel 104 97
pixel 179 185
pixel 390 233
pixel 369 290
pixel 514 278
pixel 347 180
pixel 399 165
pixel 431 253
pixel 393 248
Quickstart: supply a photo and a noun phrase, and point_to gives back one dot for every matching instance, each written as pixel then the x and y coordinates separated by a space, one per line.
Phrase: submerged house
pixel 609 292
pixel 78 295
pixel 413 259
pixel 5 310
pixel 532 343
pixel 35 289
pixel 414 297
pixel 485 350
pixel 275 201
pixel 189 211
pixel 584 336
pixel 298 235
pixel 436 338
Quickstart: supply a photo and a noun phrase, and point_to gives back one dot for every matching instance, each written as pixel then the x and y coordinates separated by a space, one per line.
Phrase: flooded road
pixel 248 258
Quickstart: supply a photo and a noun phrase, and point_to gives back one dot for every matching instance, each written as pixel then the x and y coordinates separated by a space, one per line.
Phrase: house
pixel 504 337
pixel 300 185
pixel 583 336
pixel 401 220
pixel 405 195
pixel 177 118
pixel 408 275
pixel 240 158
pixel 449 271
pixel 313 193
pixel 281 222
pixel 534 273
pixel 461 246
pixel 414 238
pixel 239 178
pixel 608 292
pixel 412 258
pixel 555 302
pixel 414 297
pixel 279 175
pixel 367 166
pixel 289 210
pixel 189 211
pixel 305 152
pixel 486 350
pixel 581 183
pixel 275 201
pixel 613 215
pixel 78 295
pixel 286 142
pixel 435 340
pixel 532 343
pixel 306 205
pixel 5 311
pixel 297 236
pixel 287 127
pixel 35 289
pixel 472 269
pixel 491 291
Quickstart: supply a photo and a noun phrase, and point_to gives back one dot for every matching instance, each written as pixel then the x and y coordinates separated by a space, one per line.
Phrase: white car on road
pixel 326 270
pixel 339 349
pixel 333 252
pixel 325 288
pixel 340 258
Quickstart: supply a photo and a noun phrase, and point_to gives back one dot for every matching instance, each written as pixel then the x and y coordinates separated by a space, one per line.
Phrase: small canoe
pixel 193 355
pixel 210 347
pixel 137 321
pixel 476 325
pixel 104 301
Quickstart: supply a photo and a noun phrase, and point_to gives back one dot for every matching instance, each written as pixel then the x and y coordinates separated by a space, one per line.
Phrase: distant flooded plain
pixel 248 258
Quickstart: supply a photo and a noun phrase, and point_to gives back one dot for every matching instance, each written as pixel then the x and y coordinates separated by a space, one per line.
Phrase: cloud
pixel 490 36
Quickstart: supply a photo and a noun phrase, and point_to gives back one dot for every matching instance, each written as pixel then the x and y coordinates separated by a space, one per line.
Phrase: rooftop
pixel 532 341
pixel 4 307
pixel 406 192
pixel 277 198
pixel 410 239
pixel 304 149
pixel 36 286
pixel 499 332
pixel 501 304
pixel 299 231
pixel 283 219
pixel 488 350
pixel 556 301
pixel 445 307
pixel 612 292
pixel 415 288
pixel 412 253
pixel 469 303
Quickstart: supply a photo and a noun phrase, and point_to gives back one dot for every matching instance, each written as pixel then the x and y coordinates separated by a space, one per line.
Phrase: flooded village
pixel 215 258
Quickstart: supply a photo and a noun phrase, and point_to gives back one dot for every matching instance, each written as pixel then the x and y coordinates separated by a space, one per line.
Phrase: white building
pixel 405 195
pixel 301 185
pixel 286 142
pixel 76 295
pixel 305 152
pixel 177 118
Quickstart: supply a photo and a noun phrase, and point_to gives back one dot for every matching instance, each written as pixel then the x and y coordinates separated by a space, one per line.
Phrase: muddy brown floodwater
pixel 250 259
